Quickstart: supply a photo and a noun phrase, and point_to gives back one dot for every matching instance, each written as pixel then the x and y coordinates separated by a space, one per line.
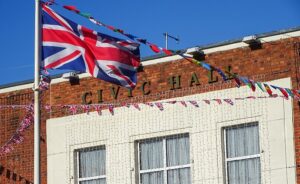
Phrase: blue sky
pixel 196 22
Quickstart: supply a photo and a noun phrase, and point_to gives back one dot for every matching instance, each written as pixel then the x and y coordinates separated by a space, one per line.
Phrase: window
pixel 91 165
pixel 242 154
pixel 165 160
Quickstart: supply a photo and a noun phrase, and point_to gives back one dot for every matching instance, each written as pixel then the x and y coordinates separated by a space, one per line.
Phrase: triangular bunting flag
pixel 285 94
pixel 72 8
pixel 194 103
pixel 221 73
pixel 135 105
pixel 229 101
pixel 86 108
pixel 260 86
pixel 98 108
pixel 218 100
pixel 268 89
pixel 154 48
pixel 237 81
pixel 289 92
pixel 167 52
pixel 207 102
pixel 111 109
pixel 160 106
pixel 183 103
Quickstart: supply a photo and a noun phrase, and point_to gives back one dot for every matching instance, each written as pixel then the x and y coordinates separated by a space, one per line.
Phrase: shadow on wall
pixel 10 175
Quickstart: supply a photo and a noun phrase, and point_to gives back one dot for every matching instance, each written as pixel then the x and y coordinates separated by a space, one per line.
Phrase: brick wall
pixel 272 61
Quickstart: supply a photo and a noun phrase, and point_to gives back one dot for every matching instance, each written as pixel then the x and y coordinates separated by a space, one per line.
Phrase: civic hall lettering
pixel 174 82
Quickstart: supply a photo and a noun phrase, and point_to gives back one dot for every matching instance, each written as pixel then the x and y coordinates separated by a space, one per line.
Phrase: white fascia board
pixel 16 88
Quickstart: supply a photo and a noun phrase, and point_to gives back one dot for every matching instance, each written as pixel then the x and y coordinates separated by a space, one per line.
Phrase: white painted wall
pixel 204 125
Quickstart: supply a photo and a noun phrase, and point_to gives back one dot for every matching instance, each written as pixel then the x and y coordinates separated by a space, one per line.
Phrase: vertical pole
pixel 37 59
pixel 166 34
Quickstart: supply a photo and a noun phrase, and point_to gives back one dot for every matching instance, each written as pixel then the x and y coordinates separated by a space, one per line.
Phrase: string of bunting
pixel 18 136
pixel 293 93
pixel 79 108
pixel 89 16
pixel 264 87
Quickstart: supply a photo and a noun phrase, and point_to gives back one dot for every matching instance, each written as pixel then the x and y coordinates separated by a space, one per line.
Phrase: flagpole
pixel 37 59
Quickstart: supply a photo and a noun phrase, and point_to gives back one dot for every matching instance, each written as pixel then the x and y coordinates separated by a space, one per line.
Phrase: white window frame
pixel 165 168
pixel 78 179
pixel 236 158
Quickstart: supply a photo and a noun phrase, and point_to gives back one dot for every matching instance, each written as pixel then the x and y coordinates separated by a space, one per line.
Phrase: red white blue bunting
pixel 264 87
pixel 89 16
pixel 74 109
pixel 18 136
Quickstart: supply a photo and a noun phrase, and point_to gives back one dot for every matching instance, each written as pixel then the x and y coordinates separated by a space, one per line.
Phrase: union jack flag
pixel 67 45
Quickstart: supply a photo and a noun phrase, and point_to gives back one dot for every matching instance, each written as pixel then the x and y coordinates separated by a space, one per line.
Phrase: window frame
pixel 227 160
pixel 165 168
pixel 77 165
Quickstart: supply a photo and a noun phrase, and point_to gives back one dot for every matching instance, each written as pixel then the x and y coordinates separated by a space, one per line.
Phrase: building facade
pixel 255 140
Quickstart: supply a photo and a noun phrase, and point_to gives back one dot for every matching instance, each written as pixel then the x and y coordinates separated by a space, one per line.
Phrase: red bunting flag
pixel 111 109
pixel 98 108
pixel 86 108
pixel 135 105
pixel 160 106
pixel 268 89
pixel 183 103
pixel 166 51
pixel 72 8
pixel 252 85
pixel 111 28
pixel 229 101
pixel 237 81
pixel 296 94
pixel 194 103
pixel 207 102
pixel 285 94
pixel 218 100
pixel 73 109
pixel 154 48
pixel 289 92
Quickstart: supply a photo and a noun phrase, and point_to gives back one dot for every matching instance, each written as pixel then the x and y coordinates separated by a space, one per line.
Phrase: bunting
pixel 249 82
pixel 74 109
pixel 18 136
pixel 89 16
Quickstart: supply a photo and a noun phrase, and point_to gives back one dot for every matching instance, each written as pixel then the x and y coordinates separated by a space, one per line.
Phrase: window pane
pixel 152 178
pixel 244 171
pixel 91 163
pixel 178 151
pixel 179 176
pixel 99 181
pixel 151 154
pixel 242 141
